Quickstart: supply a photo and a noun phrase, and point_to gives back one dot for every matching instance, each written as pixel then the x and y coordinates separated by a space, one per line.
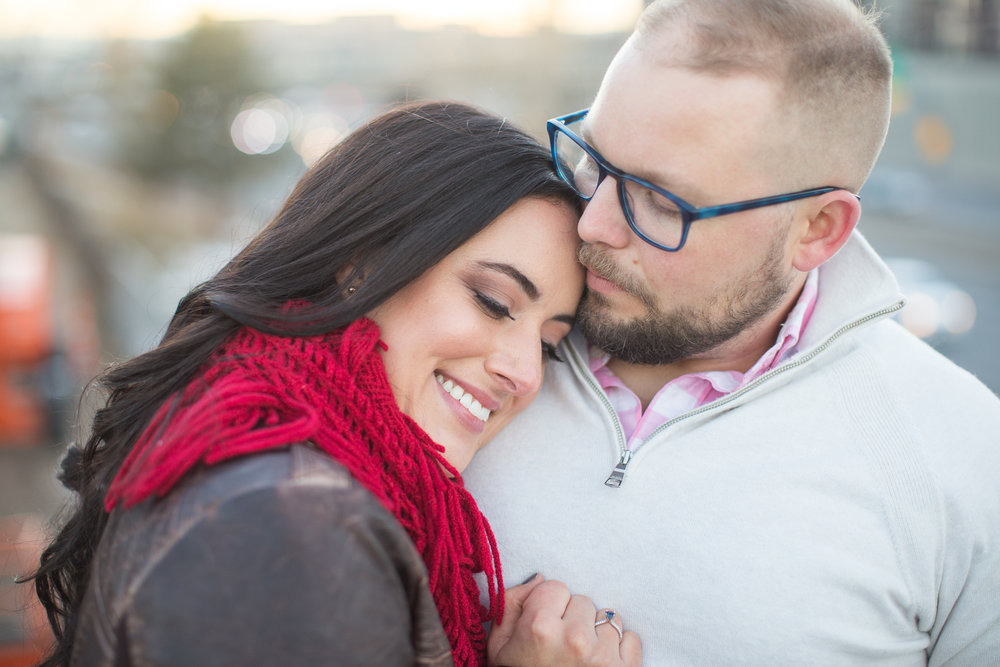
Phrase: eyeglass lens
pixel 655 216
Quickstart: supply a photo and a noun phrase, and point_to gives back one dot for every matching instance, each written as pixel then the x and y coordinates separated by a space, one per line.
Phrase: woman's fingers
pixel 608 624
pixel 579 629
pixel 630 650
pixel 544 607
pixel 514 598
pixel 548 626
pixel 535 636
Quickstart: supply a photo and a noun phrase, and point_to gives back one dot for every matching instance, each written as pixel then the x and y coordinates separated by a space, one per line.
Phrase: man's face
pixel 711 141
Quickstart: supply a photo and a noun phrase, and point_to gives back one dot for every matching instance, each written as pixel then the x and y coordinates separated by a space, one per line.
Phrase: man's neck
pixel 646 380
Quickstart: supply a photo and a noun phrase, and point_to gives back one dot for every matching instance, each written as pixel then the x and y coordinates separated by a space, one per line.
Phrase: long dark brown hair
pixel 382 207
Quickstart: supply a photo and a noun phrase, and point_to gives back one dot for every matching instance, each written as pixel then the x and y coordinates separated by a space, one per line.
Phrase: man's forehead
pixel 691 157
pixel 659 124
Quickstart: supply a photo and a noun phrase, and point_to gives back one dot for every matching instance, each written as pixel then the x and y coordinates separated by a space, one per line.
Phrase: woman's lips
pixel 467 406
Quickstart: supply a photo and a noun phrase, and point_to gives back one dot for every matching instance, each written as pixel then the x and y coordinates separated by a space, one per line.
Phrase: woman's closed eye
pixel 492 307
pixel 498 311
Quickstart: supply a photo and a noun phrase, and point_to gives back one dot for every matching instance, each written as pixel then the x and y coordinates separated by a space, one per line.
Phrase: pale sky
pixel 158 18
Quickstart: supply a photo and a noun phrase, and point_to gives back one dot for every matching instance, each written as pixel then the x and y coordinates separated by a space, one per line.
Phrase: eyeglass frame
pixel 689 212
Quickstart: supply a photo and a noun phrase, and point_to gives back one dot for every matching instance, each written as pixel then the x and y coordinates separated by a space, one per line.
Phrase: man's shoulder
pixel 922 371
pixel 948 416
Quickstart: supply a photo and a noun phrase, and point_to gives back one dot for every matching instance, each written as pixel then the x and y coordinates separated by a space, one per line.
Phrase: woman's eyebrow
pixel 521 279
pixel 525 283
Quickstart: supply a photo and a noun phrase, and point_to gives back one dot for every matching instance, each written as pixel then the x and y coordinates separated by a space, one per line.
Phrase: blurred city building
pixel 968 25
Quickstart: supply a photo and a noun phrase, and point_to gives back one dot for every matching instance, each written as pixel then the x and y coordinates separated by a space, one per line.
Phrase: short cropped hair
pixel 829 58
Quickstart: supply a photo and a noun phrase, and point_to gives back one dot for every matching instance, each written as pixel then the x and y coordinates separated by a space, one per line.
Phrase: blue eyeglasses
pixel 657 216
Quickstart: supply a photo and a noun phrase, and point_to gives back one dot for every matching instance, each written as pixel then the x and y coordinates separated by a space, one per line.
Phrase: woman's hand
pixel 544 625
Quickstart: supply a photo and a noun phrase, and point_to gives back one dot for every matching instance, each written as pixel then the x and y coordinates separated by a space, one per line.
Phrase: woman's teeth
pixel 459 394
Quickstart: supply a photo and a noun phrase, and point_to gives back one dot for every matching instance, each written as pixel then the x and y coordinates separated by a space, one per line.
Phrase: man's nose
pixel 603 220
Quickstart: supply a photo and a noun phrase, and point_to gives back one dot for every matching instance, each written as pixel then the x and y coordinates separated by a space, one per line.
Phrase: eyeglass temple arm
pixel 736 207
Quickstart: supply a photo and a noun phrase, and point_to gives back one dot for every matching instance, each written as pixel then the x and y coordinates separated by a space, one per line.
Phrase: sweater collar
pixel 855 285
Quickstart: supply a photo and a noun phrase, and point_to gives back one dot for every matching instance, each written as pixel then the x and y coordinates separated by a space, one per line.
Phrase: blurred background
pixel 141 144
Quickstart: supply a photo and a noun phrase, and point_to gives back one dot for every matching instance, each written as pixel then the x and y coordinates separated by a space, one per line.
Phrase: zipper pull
pixel 618 474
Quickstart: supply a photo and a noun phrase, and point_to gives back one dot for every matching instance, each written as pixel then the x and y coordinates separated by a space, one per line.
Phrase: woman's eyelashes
pixel 498 311
pixel 492 307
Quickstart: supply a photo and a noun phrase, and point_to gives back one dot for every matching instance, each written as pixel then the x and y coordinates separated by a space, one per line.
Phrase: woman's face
pixel 468 340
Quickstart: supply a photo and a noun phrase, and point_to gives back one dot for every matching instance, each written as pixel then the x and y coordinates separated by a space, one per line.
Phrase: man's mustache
pixel 598 261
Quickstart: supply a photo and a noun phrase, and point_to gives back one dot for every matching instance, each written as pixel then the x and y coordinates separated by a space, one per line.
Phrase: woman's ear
pixel 347 279
pixel 832 218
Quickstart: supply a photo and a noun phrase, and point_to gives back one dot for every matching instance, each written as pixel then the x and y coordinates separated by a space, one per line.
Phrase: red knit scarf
pixel 259 392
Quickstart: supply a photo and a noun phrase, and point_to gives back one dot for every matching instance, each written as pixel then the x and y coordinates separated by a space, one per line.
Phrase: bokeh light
pixel 934 138
pixel 319 132
pixel 262 126
pixel 958 312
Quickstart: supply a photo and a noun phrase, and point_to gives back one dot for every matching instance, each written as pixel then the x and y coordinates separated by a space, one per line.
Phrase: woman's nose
pixel 603 220
pixel 517 366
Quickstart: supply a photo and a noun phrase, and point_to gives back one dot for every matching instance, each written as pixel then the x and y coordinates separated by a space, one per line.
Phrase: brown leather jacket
pixel 279 558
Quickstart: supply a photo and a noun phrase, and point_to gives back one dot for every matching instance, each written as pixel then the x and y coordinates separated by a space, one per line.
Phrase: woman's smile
pixel 464 397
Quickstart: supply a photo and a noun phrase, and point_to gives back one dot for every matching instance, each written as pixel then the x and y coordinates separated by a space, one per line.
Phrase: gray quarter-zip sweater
pixel 843 509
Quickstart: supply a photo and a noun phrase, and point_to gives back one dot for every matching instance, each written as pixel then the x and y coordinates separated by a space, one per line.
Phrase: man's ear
pixel 831 219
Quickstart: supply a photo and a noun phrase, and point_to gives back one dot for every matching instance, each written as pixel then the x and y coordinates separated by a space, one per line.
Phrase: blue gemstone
pixel 609 614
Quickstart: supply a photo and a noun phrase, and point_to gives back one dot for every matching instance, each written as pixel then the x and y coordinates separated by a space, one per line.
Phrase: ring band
pixel 607 616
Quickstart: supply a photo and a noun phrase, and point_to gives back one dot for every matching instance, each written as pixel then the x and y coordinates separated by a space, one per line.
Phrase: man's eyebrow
pixel 522 280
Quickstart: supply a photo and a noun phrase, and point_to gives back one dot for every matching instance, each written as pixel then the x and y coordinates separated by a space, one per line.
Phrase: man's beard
pixel 659 337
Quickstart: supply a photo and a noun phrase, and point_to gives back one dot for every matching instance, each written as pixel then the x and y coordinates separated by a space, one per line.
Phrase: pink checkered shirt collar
pixel 688 392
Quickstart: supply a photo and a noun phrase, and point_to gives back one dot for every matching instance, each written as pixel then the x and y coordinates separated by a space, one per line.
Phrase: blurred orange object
pixel 21 417
pixel 26 288
pixel 24 632
pixel 26 332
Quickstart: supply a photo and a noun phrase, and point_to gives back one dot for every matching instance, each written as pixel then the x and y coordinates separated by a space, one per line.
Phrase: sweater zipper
pixel 617 477
pixel 618 474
